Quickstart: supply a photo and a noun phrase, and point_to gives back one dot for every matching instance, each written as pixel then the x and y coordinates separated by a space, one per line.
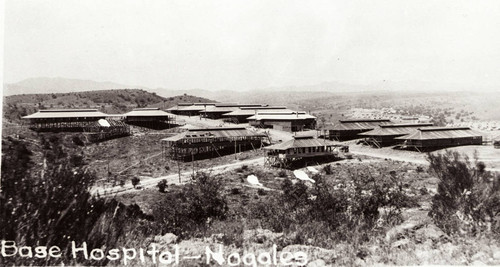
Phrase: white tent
pixel 103 123
pixel 301 175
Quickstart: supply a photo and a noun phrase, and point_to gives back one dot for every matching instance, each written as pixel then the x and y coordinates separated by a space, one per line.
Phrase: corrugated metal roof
pixel 65 113
pixel 352 125
pixel 429 133
pixel 146 112
pixel 237 105
pixel 394 129
pixel 197 104
pixel 300 142
pixel 265 107
pixel 250 112
pixel 281 116
pixel 218 109
pixel 227 132
pixel 192 108
pixel 364 120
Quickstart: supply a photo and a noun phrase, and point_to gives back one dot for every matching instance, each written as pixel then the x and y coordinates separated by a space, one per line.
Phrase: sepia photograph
pixel 250 133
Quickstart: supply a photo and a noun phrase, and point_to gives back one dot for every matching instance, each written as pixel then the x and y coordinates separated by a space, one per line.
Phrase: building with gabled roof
pixel 385 135
pixel 429 138
pixel 149 117
pixel 96 125
pixel 189 109
pixel 203 143
pixel 349 129
pixel 66 120
pixel 283 120
pixel 285 153
pixel 217 111
pixel 242 114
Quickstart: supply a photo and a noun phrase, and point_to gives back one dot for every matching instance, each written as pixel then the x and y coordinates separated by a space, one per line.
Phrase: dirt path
pixel 148 182
pixel 392 157
pixel 413 158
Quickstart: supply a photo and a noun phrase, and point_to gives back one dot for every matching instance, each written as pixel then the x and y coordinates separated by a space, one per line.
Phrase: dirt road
pixel 148 182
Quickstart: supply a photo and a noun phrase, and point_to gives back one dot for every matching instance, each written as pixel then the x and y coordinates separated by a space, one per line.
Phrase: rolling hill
pixel 108 101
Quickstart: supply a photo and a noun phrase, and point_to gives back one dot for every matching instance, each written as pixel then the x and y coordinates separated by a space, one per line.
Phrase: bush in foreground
pixel 468 197
pixel 194 206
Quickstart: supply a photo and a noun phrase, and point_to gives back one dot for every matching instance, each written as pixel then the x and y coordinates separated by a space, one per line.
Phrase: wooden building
pixel 385 135
pixel 96 125
pixel 205 143
pixel 242 114
pixel 429 138
pixel 284 154
pixel 150 117
pixel 217 111
pixel 190 109
pixel 349 129
pixel 63 120
pixel 285 121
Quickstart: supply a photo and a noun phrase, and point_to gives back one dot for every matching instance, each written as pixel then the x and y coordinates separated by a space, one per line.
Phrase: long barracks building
pixel 205 143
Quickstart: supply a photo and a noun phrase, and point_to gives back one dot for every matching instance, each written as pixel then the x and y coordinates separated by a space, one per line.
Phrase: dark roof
pixel 300 142
pixel 429 133
pixel 237 105
pixel 146 112
pixel 197 104
pixel 219 132
pixel 65 113
pixel 263 107
pixel 395 129
pixel 253 111
pixel 364 120
pixel 357 125
pixel 219 109
pixel 281 116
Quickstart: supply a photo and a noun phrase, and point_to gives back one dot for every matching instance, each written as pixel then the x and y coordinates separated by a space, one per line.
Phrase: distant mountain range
pixel 271 95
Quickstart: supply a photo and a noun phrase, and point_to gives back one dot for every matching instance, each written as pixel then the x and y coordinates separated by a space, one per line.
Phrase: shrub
pixel 328 169
pixel 55 207
pixel 282 174
pixel 135 181
pixel 468 197
pixel 78 141
pixel 235 191
pixel 193 207
pixel 242 168
pixel 162 185
pixel 349 209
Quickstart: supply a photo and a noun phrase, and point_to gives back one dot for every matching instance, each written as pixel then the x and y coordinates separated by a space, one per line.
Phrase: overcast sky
pixel 253 44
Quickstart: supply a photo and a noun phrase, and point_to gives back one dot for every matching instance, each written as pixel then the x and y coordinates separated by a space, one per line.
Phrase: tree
pixel 135 181
pixel 162 185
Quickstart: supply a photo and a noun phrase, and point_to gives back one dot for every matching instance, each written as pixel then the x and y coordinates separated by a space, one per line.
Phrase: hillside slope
pixel 59 85
pixel 108 101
